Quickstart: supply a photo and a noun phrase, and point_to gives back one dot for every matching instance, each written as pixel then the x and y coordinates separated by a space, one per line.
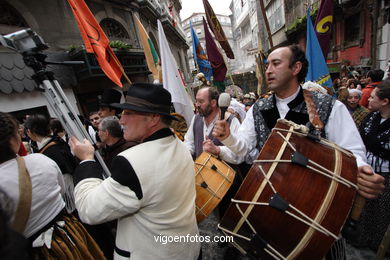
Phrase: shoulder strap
pixel 47 146
pixel 25 194
pixel 314 118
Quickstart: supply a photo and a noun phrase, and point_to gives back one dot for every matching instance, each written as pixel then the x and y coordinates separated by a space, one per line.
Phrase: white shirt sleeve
pixel 342 130
pixel 244 140
pixel 189 137
pixel 226 154
pixel 101 201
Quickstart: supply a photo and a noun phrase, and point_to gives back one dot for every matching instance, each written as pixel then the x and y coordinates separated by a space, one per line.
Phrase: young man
pixel 286 68
pixel 151 190
pixel 109 97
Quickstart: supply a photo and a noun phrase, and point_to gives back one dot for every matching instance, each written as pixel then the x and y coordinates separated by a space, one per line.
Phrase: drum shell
pixel 310 192
pixel 218 176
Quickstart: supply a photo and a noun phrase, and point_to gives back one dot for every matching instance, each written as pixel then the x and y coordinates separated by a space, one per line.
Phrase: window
pixel 114 29
pixel 275 15
pixel 352 30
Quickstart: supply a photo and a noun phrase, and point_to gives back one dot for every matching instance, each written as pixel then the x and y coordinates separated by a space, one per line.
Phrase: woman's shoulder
pixel 39 160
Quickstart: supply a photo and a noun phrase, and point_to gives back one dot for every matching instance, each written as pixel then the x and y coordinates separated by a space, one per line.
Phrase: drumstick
pixel 223 103
pixel 357 207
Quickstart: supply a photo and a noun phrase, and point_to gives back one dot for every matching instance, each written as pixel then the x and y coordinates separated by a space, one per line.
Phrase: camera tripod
pixel 57 99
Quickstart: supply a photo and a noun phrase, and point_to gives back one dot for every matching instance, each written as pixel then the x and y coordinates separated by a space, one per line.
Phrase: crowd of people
pixel 55 201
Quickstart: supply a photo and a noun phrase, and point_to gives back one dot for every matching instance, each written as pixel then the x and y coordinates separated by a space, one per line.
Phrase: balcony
pixel 151 9
pixel 133 62
pixel 245 42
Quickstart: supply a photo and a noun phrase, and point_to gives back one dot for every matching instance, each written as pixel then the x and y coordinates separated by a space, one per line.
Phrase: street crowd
pixel 55 202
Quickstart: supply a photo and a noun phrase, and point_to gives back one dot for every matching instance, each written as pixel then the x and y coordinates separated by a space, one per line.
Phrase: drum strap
pixel 314 118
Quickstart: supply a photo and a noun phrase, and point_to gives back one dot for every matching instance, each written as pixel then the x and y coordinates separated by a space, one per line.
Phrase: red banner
pixel 96 41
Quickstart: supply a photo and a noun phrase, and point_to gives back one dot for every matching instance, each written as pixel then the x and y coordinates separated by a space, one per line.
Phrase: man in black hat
pixel 109 97
pixel 151 190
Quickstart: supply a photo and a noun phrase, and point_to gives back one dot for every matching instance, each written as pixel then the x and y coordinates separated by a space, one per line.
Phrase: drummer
pixel 286 69
pixel 199 136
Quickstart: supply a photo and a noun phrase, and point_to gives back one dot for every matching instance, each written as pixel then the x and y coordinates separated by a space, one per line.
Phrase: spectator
pixel 373 78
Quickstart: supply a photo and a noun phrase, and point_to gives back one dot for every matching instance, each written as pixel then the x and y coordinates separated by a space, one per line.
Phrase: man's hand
pixel 370 184
pixel 82 150
pixel 221 130
pixel 210 147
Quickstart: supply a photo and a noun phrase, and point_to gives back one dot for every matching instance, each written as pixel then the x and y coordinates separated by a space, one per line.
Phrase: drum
pixel 213 179
pixel 295 198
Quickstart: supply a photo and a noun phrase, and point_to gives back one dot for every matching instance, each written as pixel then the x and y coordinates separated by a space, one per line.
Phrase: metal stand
pixel 58 101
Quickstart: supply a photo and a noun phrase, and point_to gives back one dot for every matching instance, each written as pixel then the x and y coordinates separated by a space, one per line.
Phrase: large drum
pixel 213 179
pixel 295 198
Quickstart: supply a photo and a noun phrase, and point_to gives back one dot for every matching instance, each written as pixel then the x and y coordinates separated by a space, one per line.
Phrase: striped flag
pixel 151 55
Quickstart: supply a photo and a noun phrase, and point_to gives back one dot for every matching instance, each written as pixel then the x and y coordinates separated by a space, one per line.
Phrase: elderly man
pixel 111 136
pixel 198 137
pixel 286 69
pixel 151 190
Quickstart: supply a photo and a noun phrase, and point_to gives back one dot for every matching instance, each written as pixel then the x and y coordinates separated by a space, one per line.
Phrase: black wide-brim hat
pixel 147 98
pixel 110 96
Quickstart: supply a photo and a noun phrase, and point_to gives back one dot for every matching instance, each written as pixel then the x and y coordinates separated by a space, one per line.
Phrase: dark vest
pixel 265 114
pixel 198 134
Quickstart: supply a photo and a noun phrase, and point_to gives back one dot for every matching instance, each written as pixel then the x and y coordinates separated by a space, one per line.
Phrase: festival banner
pixel 171 78
pixel 217 30
pixel 96 41
pixel 323 25
pixel 215 57
pixel 318 69
pixel 200 56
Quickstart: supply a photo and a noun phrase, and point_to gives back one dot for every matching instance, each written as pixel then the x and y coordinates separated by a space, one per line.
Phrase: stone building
pixel 53 20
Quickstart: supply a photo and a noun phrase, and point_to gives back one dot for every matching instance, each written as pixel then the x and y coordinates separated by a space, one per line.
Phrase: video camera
pixel 23 41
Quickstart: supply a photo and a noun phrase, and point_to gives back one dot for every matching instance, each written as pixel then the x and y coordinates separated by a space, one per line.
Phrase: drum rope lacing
pixel 322 140
pixel 310 222
pixel 322 170
pixel 214 193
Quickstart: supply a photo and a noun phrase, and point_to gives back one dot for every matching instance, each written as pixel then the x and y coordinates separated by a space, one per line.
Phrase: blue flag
pixel 200 56
pixel 318 69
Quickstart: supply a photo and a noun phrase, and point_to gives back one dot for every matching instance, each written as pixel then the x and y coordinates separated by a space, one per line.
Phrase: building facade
pixel 360 31
pixel 197 24
pixel 54 22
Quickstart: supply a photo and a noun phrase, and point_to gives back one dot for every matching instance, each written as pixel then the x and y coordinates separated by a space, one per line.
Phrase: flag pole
pixel 266 24
pixel 120 67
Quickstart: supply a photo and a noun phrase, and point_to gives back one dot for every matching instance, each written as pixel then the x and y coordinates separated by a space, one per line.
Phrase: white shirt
pixel 225 154
pixel 238 108
pixel 340 129
pixel 47 187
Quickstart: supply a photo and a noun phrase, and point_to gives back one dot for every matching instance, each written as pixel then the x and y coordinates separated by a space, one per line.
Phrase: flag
pixel 318 69
pixel 216 28
pixel 151 55
pixel 96 41
pixel 323 25
pixel 215 57
pixel 200 56
pixel 171 78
